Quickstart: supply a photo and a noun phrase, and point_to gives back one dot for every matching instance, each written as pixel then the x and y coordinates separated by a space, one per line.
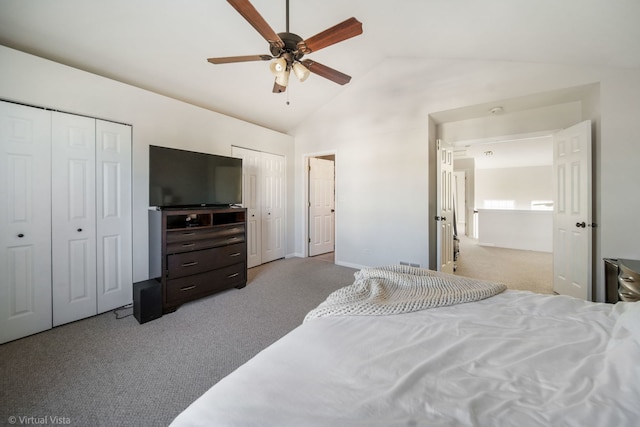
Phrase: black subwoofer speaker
pixel 147 300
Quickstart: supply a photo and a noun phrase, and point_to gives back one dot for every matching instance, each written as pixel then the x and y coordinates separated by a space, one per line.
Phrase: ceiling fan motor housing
pixel 290 50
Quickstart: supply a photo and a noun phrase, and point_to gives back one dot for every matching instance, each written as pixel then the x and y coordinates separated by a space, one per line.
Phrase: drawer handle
pixel 188 288
pixel 233 238
pixel 190 264
pixel 188 245
pixel 188 233
pixel 233 275
pixel 628 279
pixel 236 254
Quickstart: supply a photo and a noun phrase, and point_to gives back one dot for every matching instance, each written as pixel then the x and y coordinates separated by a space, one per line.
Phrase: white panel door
pixel 321 206
pixel 25 222
pixel 572 222
pixel 113 215
pixel 73 218
pixel 444 207
pixel 251 200
pixel 273 227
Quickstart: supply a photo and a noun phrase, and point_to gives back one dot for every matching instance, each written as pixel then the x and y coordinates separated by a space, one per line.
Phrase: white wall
pixel 156 120
pixel 516 229
pixel 519 122
pixel 380 132
pixel 522 185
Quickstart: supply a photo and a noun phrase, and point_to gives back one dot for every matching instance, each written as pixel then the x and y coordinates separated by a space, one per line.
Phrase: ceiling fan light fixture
pixel 282 78
pixel 301 72
pixel 278 65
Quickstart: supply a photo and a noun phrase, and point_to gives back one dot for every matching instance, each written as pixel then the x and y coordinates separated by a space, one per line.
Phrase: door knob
pixel 440 218
pixel 581 224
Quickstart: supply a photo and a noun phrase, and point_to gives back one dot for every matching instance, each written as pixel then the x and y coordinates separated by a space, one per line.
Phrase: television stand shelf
pixel 202 251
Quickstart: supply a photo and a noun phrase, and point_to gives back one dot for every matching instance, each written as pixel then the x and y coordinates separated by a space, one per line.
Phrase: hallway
pixel 518 269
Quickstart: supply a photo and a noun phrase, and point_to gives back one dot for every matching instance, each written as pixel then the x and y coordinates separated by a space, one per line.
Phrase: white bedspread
pixel 515 359
pixel 397 289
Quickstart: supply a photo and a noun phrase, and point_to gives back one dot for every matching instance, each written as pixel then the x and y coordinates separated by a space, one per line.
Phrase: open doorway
pixel 507 234
pixel 321 207
pixel 518 119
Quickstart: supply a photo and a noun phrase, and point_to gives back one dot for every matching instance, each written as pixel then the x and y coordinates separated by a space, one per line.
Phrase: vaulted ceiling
pixel 162 45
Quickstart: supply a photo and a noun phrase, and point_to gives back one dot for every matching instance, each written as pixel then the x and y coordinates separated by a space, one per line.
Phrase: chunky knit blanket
pixel 402 289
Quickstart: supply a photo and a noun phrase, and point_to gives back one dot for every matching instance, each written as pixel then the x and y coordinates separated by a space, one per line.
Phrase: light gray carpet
pixel 106 372
pixel 518 269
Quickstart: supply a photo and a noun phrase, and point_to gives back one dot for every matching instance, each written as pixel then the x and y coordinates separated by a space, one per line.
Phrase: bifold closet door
pixel 25 221
pixel 113 211
pixel 264 197
pixel 273 194
pixel 73 213
pixel 65 218
pixel 251 201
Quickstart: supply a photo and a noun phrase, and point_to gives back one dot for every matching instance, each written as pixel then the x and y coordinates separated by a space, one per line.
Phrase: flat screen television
pixel 180 178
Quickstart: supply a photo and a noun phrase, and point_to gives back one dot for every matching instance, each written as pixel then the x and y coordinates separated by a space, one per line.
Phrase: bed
pixel 379 353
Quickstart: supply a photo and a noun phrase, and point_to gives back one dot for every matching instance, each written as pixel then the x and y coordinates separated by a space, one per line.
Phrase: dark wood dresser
pixel 203 251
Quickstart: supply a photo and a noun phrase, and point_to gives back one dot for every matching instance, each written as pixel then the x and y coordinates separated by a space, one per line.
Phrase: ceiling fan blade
pixel 247 58
pixel 340 32
pixel 253 17
pixel 326 72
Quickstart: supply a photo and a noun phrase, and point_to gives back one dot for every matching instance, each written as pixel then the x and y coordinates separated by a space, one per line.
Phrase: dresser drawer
pixel 190 287
pixel 187 263
pixel 186 235
pixel 215 232
pixel 195 245
pixel 629 279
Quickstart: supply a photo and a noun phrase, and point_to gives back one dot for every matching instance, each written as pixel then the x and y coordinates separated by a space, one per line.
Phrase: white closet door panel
pixel 273 230
pixel 25 224
pixel 79 254
pixel 73 218
pixel 254 224
pixel 251 200
pixel 113 205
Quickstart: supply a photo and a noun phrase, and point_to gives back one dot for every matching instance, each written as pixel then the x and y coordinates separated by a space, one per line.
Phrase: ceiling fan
pixel 287 49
